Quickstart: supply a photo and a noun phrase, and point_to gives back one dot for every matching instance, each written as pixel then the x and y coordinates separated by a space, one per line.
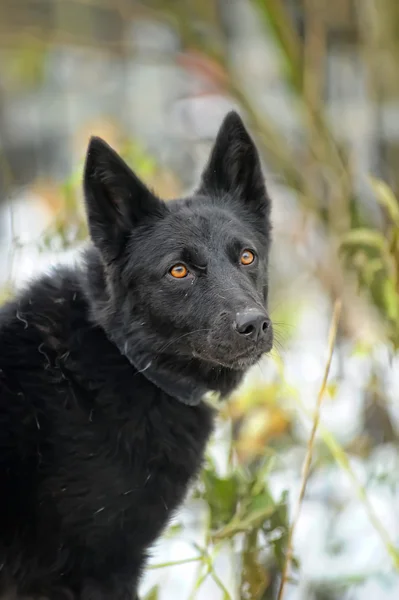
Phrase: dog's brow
pixel 196 257
pixel 235 244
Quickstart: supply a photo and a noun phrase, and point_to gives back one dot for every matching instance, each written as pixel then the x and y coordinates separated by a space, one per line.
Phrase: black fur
pixel 103 368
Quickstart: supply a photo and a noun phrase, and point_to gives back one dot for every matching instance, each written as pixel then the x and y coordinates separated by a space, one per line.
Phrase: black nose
pixel 252 324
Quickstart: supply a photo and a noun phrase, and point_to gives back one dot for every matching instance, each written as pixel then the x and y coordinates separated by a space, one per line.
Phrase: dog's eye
pixel 247 257
pixel 179 271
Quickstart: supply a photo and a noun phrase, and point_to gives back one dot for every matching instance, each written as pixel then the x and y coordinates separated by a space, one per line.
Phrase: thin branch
pixel 176 563
pixel 342 460
pixel 309 452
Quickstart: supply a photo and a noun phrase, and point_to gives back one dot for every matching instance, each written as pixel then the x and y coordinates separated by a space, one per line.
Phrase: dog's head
pixel 184 284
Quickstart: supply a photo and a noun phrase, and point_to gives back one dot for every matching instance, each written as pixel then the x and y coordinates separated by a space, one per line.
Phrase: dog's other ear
pixel 116 200
pixel 234 166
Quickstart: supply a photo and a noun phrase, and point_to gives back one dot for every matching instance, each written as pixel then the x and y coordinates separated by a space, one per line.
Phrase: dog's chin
pixel 246 361
pixel 235 362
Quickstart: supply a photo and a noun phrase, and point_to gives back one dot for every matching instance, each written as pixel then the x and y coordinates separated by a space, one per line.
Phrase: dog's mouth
pixel 245 361
pixel 248 359
pixel 239 362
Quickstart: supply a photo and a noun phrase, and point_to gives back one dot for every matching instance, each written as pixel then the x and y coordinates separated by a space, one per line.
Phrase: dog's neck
pixel 187 383
pixel 183 388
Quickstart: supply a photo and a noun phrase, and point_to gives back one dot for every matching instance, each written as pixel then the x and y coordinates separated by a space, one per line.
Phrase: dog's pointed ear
pixel 234 166
pixel 116 200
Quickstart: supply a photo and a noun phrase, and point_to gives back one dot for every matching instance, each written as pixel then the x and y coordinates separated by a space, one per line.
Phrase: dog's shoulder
pixel 49 342
pixel 35 331
pixel 42 308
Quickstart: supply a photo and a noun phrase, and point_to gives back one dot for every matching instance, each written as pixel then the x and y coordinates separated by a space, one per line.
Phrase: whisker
pixel 259 365
pixel 283 324
pixel 180 337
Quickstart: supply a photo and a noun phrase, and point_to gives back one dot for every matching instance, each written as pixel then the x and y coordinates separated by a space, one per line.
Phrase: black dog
pixel 103 369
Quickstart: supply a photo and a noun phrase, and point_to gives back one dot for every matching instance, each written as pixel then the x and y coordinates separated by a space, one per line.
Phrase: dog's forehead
pixel 199 218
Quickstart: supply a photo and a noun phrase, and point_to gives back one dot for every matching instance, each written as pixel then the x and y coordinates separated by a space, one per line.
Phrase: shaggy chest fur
pixel 93 457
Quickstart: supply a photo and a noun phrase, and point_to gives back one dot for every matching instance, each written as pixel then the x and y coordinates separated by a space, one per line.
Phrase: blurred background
pixel 317 84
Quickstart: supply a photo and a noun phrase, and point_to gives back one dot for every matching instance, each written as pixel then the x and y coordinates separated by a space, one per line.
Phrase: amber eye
pixel 179 271
pixel 247 257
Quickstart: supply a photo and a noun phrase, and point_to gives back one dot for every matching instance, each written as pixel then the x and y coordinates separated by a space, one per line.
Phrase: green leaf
pixel 153 594
pixel 391 300
pixel 261 503
pixel 361 349
pixel 221 495
pixel 279 522
pixel 258 510
pixel 254 575
pixel 144 164
pixel 173 530
pixel 262 473
pixel 386 198
pixel 366 237
pixel 370 270
pixel 6 293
